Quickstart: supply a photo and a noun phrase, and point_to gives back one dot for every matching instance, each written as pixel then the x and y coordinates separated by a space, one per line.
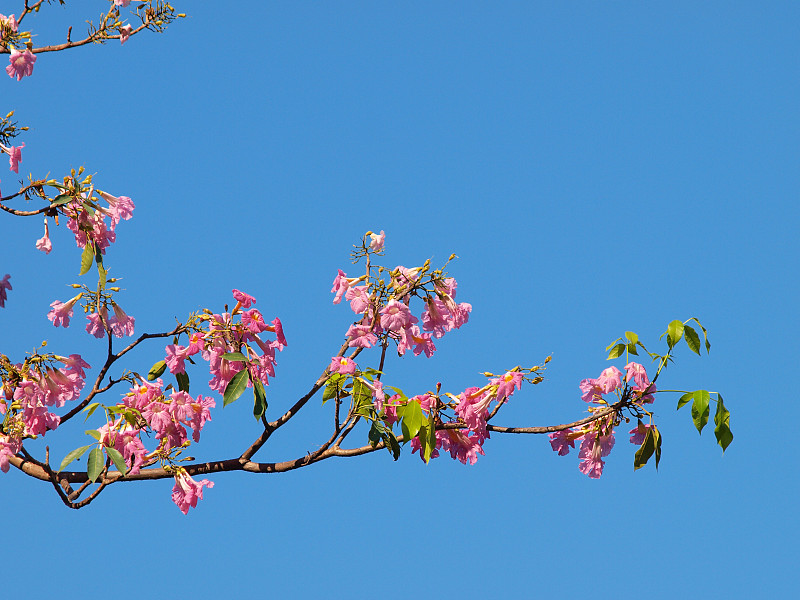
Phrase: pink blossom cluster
pixel 120 324
pixel 40 387
pixel 394 319
pixel 597 438
pixel 91 226
pixel 472 409
pixel 224 336
pixel 167 416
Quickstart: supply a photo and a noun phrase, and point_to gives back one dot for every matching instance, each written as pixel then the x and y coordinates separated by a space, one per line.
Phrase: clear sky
pixel 597 167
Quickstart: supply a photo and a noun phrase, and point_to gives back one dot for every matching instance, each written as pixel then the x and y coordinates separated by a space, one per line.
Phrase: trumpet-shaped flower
pixel 246 300
pixel 343 365
pixel 21 64
pixel 61 312
pixel 44 244
pixel 377 240
pixel 610 380
pixel 187 491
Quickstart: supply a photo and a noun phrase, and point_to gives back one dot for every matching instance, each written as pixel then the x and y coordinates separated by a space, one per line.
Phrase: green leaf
pixel 646 450
pixel 362 398
pixel 86 258
pixel 90 409
pixel 235 356
pixel 632 337
pixel 722 420
pixel 260 403
pixel 700 409
pixel 674 333
pixel 612 344
pixel 117 459
pixel 333 387
pixel 94 433
pixel 157 370
pixel 392 445
pixel 412 420
pixel 685 399
pixel 427 439
pixel 60 199
pixel 74 455
pixel 183 381
pixel 705 333
pixel 692 339
pixel 94 465
pixel 235 387
pixel 616 351
pixel 632 349
pixel 657 436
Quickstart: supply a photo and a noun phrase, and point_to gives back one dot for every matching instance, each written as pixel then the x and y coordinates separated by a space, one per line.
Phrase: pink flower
pixel 593 448
pixel 95 326
pixel 610 380
pixel 358 297
pixel 187 491
pixel 591 391
pixel 122 3
pixel 277 326
pixel 9 23
pixel 119 207
pixel 9 446
pixel 21 64
pixel 377 241
pixel 76 364
pixel 124 33
pixel 254 321
pixel 121 324
pixel 176 354
pixel 61 312
pixel 343 365
pixel 14 156
pixel 507 383
pixel 638 373
pixel 639 432
pixel 44 244
pixel 246 300
pixel 361 336
pixel 561 441
pixel 200 415
pixel 4 285
pixel 340 286
pixel 378 394
pixel 395 316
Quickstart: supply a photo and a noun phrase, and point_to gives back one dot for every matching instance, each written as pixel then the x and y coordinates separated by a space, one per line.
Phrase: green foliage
pixel 117 459
pixel 722 420
pixel 674 333
pixel 157 370
pixel 334 387
pixel 183 381
pixel 74 455
pixel 260 403
pixel 87 257
pixel 94 465
pixel 651 445
pixel 700 409
pixel 235 387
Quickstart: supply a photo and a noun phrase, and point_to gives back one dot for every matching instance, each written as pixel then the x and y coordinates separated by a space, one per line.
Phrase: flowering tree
pixel 145 433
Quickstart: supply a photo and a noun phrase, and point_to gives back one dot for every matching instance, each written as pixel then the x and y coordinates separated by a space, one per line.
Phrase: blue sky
pixel 596 167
